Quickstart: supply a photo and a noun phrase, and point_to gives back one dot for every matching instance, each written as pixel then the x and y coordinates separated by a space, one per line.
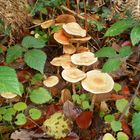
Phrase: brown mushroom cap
pixel 80 40
pixel 81 49
pixel 47 24
pixel 65 18
pixel 73 75
pixel 69 49
pixel 74 29
pixel 97 82
pixel 61 38
pixel 8 95
pixel 84 58
pixel 51 81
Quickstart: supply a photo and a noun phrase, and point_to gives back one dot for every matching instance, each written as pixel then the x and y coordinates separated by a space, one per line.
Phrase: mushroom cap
pixel 57 61
pixel 69 49
pixel 97 82
pixel 73 75
pixel 80 39
pixel 74 29
pixel 84 58
pixel 47 24
pixel 81 49
pixel 65 18
pixel 51 81
pixel 8 95
pixel 61 38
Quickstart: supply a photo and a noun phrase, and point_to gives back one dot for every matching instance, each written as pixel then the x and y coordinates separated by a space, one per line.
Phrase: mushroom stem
pixel 77 45
pixel 73 88
pixel 83 68
pixel 93 102
pixel 58 70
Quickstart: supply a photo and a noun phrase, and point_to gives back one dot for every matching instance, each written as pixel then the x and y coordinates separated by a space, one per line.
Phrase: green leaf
pixel 0 117
pixel 20 119
pixel 118 27
pixel 117 87
pixel 106 52
pixel 136 124
pixel 76 98
pixel 85 105
pixel 121 104
pixel 13 53
pixel 137 103
pixel 37 77
pixel 125 51
pixel 7 117
pixel 9 81
pixel 116 126
pixel 111 65
pixel 20 106
pixel 11 111
pixel 40 96
pixel 35 59
pixel 31 42
pixel 35 113
pixel 84 97
pixel 135 35
pixel 122 136
pixel 109 118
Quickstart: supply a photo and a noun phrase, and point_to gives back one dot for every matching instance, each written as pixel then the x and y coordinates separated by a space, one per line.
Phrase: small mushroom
pixel 97 82
pixel 8 95
pixel 83 59
pixel 51 81
pixel 74 29
pixel 73 75
pixel 61 38
pixel 69 49
pixel 65 18
pixel 80 39
pixel 81 49
pixel 47 24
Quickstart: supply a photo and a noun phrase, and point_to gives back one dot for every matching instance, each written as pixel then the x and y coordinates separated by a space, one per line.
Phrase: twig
pixel 131 101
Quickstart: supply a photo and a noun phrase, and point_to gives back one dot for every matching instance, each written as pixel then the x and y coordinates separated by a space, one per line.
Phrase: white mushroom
pixel 51 81
pixel 74 29
pixel 8 95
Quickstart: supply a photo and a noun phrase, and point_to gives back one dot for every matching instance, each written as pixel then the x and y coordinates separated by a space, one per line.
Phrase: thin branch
pixel 131 101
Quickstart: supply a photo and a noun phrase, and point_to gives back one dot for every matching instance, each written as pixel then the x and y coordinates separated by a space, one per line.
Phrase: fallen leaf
pixel 84 119
pixel 70 110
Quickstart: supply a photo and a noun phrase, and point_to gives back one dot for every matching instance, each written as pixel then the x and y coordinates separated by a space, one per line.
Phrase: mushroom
pixel 79 40
pixel 97 82
pixel 69 49
pixel 51 81
pixel 81 49
pixel 83 59
pixel 65 18
pixel 74 29
pixel 8 95
pixel 73 75
pixel 47 24
pixel 61 38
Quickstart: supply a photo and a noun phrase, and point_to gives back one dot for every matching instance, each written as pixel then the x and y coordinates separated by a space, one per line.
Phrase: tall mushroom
pixel 97 82
pixel 73 75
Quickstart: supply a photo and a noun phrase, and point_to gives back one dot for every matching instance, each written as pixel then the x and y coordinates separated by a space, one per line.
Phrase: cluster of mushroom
pixel 76 57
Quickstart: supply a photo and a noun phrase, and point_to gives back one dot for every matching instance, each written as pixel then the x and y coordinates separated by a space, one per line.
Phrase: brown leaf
pixel 72 136
pixel 70 110
pixel 84 119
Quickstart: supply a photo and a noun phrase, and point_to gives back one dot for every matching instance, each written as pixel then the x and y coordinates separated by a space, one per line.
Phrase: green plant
pixel 114 60
pixel 9 81
pixel 33 56
pixel 82 100
pixel 122 25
